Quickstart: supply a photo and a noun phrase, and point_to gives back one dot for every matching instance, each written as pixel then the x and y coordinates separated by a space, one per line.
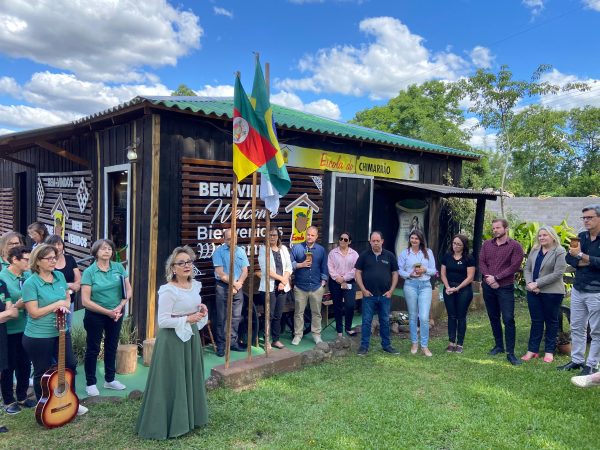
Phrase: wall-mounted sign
pixel 387 169
pixel 302 213
pixel 65 207
pixel 311 158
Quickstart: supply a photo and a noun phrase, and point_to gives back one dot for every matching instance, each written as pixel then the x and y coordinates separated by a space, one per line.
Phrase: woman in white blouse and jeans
pixel 417 266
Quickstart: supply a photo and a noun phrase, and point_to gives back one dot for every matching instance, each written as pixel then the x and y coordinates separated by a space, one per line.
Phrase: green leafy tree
pixel 495 97
pixel 541 155
pixel 585 138
pixel 429 112
pixel 183 91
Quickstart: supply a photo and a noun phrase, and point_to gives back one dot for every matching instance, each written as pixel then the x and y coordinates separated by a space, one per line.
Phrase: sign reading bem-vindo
pixel 64 203
pixel 207 189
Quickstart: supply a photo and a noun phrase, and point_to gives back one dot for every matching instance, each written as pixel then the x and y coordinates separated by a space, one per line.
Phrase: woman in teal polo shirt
pixel 105 290
pixel 44 293
pixel 9 240
pixel 19 365
pixel 7 312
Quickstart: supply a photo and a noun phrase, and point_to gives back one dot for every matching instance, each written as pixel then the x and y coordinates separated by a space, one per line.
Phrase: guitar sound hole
pixel 59 391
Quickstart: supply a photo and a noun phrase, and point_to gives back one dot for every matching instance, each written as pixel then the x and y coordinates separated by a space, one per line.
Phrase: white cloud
pixel 570 99
pixel 222 12
pixel 479 138
pixel 322 107
pixel 8 85
pixel 302 2
pixel 592 4
pixel 222 90
pixel 6 131
pixel 380 69
pixel 536 6
pixel 24 117
pixel 481 57
pixel 102 40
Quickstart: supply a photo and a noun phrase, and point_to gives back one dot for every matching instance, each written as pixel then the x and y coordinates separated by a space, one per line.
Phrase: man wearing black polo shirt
pixel 377 277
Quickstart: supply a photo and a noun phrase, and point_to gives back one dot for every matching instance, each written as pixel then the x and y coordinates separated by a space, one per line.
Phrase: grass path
pixel 449 401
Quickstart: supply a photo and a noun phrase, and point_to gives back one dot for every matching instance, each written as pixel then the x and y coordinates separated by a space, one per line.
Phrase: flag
pixel 275 181
pixel 252 147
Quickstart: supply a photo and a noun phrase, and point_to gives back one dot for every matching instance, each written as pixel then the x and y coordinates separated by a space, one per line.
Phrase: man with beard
pixel 499 260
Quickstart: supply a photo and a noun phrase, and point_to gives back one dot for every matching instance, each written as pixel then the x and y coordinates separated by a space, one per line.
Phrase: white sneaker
pixel 114 384
pixel 92 391
pixel 585 381
pixel 82 410
pixel 296 340
pixel 317 338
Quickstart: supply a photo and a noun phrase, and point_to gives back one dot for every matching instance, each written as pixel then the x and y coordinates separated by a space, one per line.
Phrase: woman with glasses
pixel 457 272
pixel 280 265
pixel 543 272
pixel 340 262
pixel 44 293
pixel 68 266
pixel 9 240
pixel 38 233
pixel 19 365
pixel 105 290
pixel 417 266
pixel 174 400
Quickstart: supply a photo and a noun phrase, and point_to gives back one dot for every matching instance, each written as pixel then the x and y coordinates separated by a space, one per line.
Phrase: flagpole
pixel 251 275
pixel 267 254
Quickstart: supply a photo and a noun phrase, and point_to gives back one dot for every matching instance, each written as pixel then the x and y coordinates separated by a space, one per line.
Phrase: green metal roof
pixel 292 119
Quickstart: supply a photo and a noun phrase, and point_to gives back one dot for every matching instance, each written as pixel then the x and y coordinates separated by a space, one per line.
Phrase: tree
pixel 183 91
pixel 542 156
pixel 495 97
pixel 585 138
pixel 428 112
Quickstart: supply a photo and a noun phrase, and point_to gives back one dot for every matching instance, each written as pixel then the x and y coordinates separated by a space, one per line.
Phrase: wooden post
pixel 251 272
pixel 153 250
pixel 232 248
pixel 478 233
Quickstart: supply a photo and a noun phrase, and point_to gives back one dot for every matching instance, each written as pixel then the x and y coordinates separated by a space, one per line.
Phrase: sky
pixel 64 59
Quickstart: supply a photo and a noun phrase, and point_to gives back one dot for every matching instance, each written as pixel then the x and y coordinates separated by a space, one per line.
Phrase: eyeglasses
pixel 14 244
pixel 184 263
pixel 344 239
pixel 584 218
pixel 458 244
pixel 50 258
pixel 273 235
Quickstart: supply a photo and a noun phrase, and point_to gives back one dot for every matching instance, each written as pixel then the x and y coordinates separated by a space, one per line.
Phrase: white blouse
pixel 286 262
pixel 175 303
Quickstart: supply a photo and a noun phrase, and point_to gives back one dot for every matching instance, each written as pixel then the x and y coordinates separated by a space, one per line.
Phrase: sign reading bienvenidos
pixel 310 158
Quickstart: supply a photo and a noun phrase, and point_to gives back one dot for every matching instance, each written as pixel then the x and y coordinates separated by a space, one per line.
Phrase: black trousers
pixel 501 303
pixel 343 304
pixel 43 353
pixel 19 366
pixel 543 309
pixel 276 304
pixel 457 306
pixel 95 325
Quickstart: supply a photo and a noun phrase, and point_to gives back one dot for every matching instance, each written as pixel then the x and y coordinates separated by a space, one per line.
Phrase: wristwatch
pixel 579 255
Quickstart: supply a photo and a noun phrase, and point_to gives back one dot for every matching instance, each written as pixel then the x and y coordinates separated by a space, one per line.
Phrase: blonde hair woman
pixel 9 240
pixel 545 291
pixel 173 407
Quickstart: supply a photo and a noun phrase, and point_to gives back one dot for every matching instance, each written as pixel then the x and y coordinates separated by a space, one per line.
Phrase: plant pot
pixel 127 357
pixel 564 349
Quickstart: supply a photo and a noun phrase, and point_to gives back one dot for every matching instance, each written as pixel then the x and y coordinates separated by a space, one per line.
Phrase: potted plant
pixel 563 342
pixel 127 350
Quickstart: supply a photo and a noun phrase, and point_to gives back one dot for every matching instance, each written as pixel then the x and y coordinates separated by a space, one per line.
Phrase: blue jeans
pixel 418 299
pixel 379 305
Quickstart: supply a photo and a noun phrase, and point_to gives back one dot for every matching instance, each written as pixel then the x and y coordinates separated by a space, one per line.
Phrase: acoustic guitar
pixel 59 403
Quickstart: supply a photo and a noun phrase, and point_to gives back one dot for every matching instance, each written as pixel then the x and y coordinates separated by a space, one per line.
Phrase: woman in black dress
pixel 457 272
pixel 68 266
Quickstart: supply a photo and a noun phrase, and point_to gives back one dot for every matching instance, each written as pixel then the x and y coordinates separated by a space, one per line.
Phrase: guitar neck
pixel 61 358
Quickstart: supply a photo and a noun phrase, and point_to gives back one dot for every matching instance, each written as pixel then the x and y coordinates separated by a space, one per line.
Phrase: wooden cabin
pixel 155 173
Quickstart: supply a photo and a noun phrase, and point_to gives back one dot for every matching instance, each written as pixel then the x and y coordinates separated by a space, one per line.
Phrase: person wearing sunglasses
pixel 340 263
pixel 584 256
pixel 105 290
pixel 44 293
pixel 19 364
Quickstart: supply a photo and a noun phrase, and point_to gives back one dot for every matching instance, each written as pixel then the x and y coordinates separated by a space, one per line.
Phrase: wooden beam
pixel 62 152
pixel 478 233
pixel 153 250
pixel 17 161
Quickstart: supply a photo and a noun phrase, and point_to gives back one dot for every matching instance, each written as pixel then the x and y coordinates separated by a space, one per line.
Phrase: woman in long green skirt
pixel 175 397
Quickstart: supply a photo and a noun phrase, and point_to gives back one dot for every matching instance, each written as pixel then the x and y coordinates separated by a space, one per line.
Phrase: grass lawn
pixel 380 401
